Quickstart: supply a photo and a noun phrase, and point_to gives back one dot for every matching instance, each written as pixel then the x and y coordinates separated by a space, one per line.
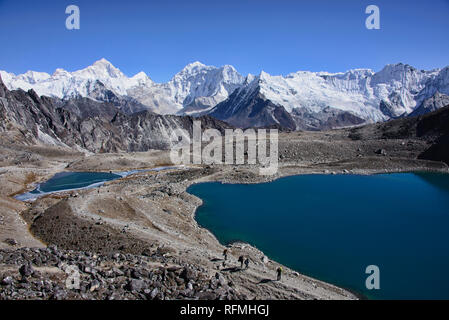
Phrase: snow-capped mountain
pixel 64 84
pixel 396 90
pixel 195 87
pixel 300 100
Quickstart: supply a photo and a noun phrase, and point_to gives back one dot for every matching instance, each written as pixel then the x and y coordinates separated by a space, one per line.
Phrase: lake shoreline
pixel 157 214
pixel 230 244
pixel 228 176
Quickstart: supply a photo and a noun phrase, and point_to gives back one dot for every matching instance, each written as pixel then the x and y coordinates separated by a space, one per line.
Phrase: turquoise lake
pixel 69 181
pixel 66 181
pixel 75 180
pixel 332 227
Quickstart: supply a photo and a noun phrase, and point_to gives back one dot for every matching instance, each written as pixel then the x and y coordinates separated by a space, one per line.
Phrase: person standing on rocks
pixel 225 257
pixel 246 263
pixel 264 260
pixel 279 273
pixel 225 254
pixel 241 262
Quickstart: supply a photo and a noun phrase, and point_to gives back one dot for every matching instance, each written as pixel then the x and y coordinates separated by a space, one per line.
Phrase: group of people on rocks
pixel 245 261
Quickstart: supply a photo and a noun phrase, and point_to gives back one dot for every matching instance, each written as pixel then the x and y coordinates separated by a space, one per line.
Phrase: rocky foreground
pixel 50 273
pixel 136 237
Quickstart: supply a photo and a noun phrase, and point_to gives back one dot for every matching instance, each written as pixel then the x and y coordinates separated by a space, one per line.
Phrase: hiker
pixel 241 262
pixel 264 260
pixel 246 263
pixel 225 254
pixel 279 272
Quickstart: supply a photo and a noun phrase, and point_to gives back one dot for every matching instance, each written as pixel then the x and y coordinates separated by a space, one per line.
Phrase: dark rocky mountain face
pixel 437 101
pixel 432 127
pixel 85 108
pixel 329 118
pixel 250 109
pixel 246 108
pixel 99 92
pixel 83 123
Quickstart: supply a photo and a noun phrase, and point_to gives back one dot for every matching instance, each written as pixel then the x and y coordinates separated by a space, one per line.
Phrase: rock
pixel 381 152
pixel 7 281
pixel 53 249
pixel 117 272
pixel 59 295
pixel 136 274
pixel 147 252
pixel 205 295
pixel 37 261
pixel 213 284
pixel 221 279
pixel 94 285
pixel 10 242
pixel 154 293
pixel 188 274
pixel 26 270
pixel 135 285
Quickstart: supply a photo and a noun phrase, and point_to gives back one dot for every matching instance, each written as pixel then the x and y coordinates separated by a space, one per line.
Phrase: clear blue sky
pixel 277 36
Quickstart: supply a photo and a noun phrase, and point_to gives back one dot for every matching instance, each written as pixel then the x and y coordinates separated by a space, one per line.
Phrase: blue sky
pixel 277 36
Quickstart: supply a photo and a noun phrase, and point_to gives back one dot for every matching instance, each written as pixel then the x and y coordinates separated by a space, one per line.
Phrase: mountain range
pixel 302 100
pixel 87 125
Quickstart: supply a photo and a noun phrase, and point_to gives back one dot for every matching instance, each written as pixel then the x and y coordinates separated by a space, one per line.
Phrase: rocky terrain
pixel 136 237
pixel 431 128
pixel 49 273
pixel 139 234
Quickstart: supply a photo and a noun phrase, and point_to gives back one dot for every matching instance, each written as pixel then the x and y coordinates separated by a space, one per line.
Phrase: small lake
pixel 332 227
pixel 66 181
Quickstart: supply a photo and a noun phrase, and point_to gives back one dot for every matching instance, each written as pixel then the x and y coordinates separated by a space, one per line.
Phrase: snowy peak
pixel 193 67
pixel 59 73
pixel 65 84
pixel 100 70
pixel 198 88
pixel 402 73
pixel 33 77
pixel 396 90
pixel 140 79
pixel 103 68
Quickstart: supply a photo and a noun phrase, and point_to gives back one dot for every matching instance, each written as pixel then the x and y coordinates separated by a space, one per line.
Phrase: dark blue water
pixel 333 226
pixel 65 181
pixel 74 180
pixel 69 181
